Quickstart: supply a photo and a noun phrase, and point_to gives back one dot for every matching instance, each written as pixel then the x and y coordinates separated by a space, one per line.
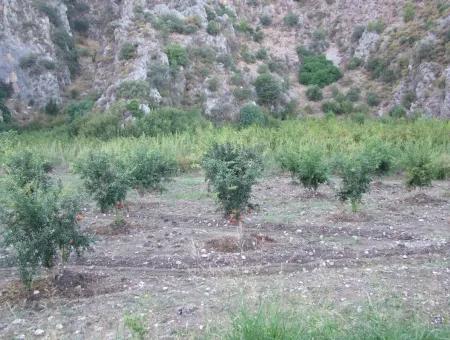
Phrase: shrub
pixel 128 51
pixel 258 35
pixel 262 54
pixel 353 94
pixel 356 175
pixel 28 61
pixel 373 99
pixel 174 24
pixel 358 31
pixel 213 84
pixel 380 156
pixel 291 19
pixel 248 56
pixel 409 12
pixel 147 170
pixel 397 111
pixel 76 109
pixel 51 108
pixel 243 26
pixel 308 166
pixel 268 89
pixel 103 126
pixel 265 20
pixel 252 114
pixel 50 12
pixel 317 70
pixel 354 63
pixel 232 171
pixel 170 120
pixel 314 93
pixel 27 171
pixel 418 166
pixel 80 25
pixel 441 167
pixel 66 49
pixel 104 179
pixel 213 27
pixel 408 98
pixel 376 26
pixel 133 89
pixel 39 224
pixel 159 76
pixel 177 55
pixel 339 107
pixel 242 93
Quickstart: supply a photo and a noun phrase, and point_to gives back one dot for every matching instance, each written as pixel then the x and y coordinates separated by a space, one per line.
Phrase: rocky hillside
pixel 393 55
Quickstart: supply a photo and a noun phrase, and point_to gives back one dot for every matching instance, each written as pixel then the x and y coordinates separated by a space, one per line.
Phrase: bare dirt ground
pixel 181 267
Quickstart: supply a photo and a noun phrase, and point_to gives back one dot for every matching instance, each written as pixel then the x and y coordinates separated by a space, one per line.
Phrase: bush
pixel 409 12
pixel 356 175
pixel 397 111
pixel 51 108
pixel 103 126
pixel 242 93
pixel 147 170
pixel 262 54
pixel 81 26
pixel 354 63
pixel 76 109
pixel 51 12
pixel 170 120
pixel 308 166
pixel 265 20
pixel 376 26
pixel 232 171
pixel 380 156
pixel 314 93
pixel 353 94
pixel 66 50
pixel 268 89
pixel 159 76
pixel 27 171
pixel 358 31
pixel 177 55
pixel 213 27
pixel 28 61
pixel 418 166
pixel 373 99
pixel 134 89
pixel 338 107
pixel 174 24
pixel 252 114
pixel 441 167
pixel 317 70
pixel 291 20
pixel 104 179
pixel 128 51
pixel 39 224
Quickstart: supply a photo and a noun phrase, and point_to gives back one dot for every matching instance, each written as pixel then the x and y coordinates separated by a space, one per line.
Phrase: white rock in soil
pixel 39 332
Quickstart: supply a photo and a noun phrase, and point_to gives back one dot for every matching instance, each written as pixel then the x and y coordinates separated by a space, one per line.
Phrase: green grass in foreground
pixel 272 323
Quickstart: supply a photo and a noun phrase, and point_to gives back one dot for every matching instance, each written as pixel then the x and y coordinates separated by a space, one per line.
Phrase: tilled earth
pixel 180 267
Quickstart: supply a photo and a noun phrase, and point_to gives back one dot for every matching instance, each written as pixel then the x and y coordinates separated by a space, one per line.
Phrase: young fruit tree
pixel 232 171
pixel 356 174
pixel 39 220
pixel 105 179
pixel 308 166
pixel 147 170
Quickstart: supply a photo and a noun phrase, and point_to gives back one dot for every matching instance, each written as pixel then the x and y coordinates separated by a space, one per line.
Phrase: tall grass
pixel 370 323
pixel 333 136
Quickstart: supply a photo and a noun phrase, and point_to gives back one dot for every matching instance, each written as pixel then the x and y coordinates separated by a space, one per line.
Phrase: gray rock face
pixel 367 45
pixel 26 33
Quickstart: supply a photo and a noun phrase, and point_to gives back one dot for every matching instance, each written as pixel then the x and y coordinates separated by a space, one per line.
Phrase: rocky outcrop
pixel 38 61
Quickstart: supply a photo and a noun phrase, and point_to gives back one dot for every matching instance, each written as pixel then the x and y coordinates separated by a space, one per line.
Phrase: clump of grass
pixel 270 322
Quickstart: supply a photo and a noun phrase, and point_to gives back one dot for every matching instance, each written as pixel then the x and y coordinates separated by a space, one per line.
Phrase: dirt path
pixel 181 267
